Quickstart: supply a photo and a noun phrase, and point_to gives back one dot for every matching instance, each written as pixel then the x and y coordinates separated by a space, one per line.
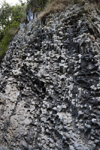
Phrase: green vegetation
pixel 36 5
pixel 10 18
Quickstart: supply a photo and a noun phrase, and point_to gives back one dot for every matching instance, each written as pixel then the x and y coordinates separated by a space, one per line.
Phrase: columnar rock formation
pixel 50 84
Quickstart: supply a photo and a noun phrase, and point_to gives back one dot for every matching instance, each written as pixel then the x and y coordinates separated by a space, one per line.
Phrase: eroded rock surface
pixel 50 84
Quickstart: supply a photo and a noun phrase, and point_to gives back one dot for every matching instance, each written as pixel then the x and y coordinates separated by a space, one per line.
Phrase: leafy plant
pixel 10 18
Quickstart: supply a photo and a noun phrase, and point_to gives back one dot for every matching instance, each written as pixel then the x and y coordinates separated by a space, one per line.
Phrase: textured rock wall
pixel 50 84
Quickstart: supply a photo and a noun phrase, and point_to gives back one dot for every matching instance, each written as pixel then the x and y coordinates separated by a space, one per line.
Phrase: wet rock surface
pixel 50 85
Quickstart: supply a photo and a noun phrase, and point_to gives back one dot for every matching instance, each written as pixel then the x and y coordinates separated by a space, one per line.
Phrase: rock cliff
pixel 50 84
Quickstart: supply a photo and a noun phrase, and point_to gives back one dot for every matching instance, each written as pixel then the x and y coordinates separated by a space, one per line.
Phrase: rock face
pixel 29 15
pixel 50 84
